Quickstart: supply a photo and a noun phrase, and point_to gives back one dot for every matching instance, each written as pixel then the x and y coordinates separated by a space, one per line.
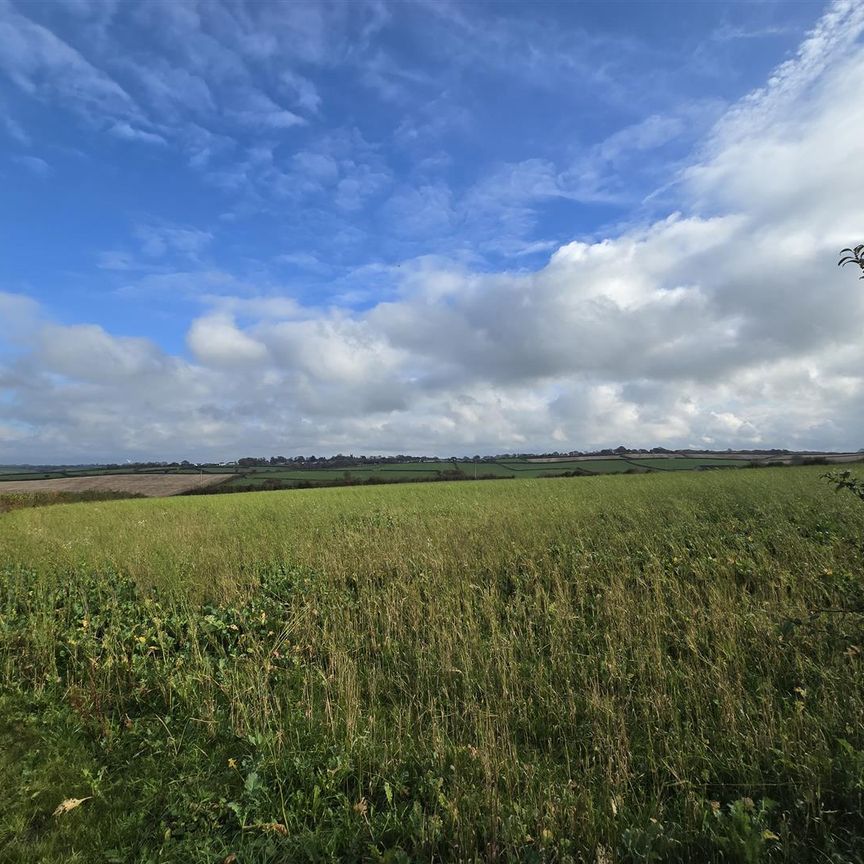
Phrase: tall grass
pixel 18 500
pixel 597 669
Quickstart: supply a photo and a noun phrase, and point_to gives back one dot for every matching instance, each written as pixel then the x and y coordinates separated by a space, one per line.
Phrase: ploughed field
pixel 626 668
pixel 147 485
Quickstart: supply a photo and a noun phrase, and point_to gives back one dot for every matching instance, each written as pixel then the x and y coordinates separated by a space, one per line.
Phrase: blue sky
pixel 364 225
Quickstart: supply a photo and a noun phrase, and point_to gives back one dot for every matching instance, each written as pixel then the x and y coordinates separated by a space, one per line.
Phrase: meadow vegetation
pixel 663 667
pixel 43 498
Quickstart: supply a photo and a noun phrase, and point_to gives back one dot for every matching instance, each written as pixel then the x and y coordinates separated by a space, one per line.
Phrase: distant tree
pixel 853 256
pixel 252 461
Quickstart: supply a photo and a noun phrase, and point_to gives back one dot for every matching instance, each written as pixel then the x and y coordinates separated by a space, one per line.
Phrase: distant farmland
pixel 167 480
pixel 237 476
pixel 148 485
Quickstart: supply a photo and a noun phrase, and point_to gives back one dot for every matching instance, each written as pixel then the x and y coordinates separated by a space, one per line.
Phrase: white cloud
pixel 257 308
pixel 317 166
pixel 18 317
pixel 87 353
pixel 13 128
pixel 42 65
pixel 304 93
pixel 130 133
pixel 193 71
pixel 216 340
pixel 173 91
pixel 259 111
pixel 160 239
pixel 421 211
pixel 334 350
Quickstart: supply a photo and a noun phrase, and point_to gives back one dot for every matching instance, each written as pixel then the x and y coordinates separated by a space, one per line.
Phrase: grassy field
pixel 685 463
pixel 598 669
pixel 508 468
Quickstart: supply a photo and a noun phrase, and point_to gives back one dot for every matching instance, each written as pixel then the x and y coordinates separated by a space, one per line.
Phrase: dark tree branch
pixel 855 256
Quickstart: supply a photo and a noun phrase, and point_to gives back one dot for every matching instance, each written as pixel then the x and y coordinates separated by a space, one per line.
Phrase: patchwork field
pixel 182 479
pixel 468 469
pixel 663 667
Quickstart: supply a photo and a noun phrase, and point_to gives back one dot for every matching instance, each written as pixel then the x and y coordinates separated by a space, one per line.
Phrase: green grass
pixel 325 476
pixel 685 463
pixel 589 669
pixel 411 471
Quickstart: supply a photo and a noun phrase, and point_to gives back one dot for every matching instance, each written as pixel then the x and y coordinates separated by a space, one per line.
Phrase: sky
pixel 234 228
